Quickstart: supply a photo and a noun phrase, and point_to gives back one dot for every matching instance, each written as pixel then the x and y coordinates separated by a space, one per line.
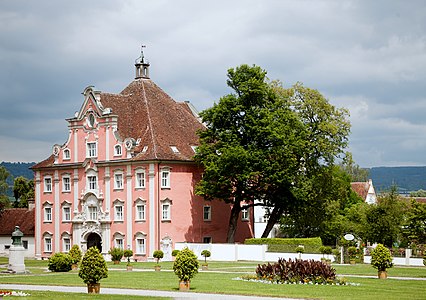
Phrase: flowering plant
pixel 13 293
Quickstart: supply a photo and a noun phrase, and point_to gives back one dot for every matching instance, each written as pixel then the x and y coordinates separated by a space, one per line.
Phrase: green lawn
pixel 220 279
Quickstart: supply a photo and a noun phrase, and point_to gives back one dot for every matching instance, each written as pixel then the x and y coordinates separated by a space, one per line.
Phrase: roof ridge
pixel 154 143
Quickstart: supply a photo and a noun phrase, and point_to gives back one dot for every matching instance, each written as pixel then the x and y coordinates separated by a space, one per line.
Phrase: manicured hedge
pixel 288 245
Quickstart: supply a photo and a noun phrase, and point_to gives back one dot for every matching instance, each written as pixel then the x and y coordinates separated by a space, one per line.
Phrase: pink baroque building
pixel 126 177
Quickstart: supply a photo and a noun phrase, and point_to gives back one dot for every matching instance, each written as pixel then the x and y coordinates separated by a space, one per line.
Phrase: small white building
pixel 22 217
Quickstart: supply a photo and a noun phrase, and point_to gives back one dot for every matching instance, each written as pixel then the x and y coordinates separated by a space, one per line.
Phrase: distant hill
pixel 405 178
pixel 17 169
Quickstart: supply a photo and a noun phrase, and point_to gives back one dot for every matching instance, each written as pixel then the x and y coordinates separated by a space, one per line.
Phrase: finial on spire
pixel 142 65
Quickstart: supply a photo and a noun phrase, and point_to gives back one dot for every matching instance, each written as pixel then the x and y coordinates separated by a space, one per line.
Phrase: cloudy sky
pixel 367 56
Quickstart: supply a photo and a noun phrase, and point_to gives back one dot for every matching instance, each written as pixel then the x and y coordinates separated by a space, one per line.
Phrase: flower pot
pixel 74 267
pixel 184 286
pixel 93 288
pixel 157 268
pixel 116 262
pixel 382 274
pixel 129 268
pixel 204 267
pixel 352 261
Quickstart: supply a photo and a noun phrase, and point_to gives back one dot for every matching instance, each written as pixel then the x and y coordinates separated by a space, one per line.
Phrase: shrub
pixel 287 244
pixel 75 254
pixel 300 249
pixel 60 262
pixel 127 254
pixel 336 254
pixel 116 253
pixel 93 266
pixel 381 258
pixel 185 265
pixel 424 259
pixel 297 271
pixel 158 254
pixel 206 253
pixel 328 250
pixel 352 252
pixel 175 252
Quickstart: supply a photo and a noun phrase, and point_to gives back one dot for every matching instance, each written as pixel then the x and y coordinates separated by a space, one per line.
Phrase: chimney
pixel 31 204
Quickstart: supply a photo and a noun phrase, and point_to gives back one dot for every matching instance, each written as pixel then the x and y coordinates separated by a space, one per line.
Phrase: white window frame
pixel 119 213
pixel 47 243
pixel 92 213
pixel 66 213
pixel 48 213
pixel 166 210
pixel 48 184
pixel 67 154
pixel 207 209
pixel 165 177
pixel 118 150
pixel 92 149
pixel 140 212
pixel 119 242
pixel 140 179
pixel 66 183
pixel 140 242
pixel 66 244
pixel 92 182
pixel 118 181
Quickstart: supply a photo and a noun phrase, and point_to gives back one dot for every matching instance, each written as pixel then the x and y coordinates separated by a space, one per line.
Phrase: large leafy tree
pixel 415 224
pixel 269 144
pixel 23 189
pixel 4 199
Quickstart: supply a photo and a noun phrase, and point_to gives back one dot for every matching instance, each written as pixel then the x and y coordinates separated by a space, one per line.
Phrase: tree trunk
pixel 233 221
pixel 273 219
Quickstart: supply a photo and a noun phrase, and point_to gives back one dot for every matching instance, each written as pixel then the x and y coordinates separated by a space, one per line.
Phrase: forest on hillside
pixel 17 169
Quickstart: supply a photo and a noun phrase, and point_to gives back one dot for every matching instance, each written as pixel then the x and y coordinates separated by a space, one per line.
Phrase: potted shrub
pixel 60 262
pixel 174 253
pixel 381 259
pixel 300 249
pixel 158 254
pixel 116 255
pixel 127 254
pixel 185 267
pixel 92 269
pixel 75 254
pixel 205 253
pixel 352 254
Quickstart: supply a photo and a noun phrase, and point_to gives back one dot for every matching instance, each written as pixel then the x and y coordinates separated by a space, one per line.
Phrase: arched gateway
pixel 94 240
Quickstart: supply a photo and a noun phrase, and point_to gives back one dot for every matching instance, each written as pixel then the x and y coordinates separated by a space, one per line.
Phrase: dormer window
pixel 117 150
pixel 67 154
pixel 174 149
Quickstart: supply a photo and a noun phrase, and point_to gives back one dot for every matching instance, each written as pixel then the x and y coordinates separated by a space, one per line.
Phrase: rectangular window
pixel 207 213
pixel 91 150
pixel 67 244
pixel 48 184
pixel 207 240
pixel 140 179
pixel 66 184
pixel 93 213
pixel 165 179
pixel 25 244
pixel 165 212
pixel 245 214
pixel 119 243
pixel 140 212
pixel 119 213
pixel 92 182
pixel 66 214
pixel 47 244
pixel 140 246
pixel 118 181
pixel 48 214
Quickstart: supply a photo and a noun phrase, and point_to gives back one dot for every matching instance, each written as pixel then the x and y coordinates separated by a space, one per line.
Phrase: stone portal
pixel 94 240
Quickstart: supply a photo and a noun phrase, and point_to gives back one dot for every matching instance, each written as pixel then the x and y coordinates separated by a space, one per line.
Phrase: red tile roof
pixel 361 188
pixel 21 217
pixel 147 113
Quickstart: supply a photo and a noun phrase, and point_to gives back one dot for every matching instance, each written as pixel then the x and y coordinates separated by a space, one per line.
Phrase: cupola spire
pixel 142 66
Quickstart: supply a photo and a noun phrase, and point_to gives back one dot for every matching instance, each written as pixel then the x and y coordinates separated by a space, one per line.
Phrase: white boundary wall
pixel 236 252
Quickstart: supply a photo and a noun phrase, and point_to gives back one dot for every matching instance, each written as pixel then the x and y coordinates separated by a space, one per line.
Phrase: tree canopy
pixel 267 145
